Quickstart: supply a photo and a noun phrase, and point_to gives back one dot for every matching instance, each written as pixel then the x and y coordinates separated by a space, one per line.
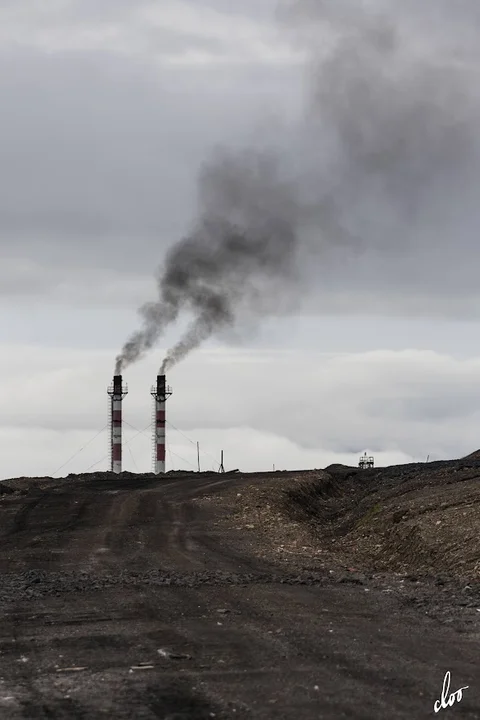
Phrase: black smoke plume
pixel 387 145
pixel 244 238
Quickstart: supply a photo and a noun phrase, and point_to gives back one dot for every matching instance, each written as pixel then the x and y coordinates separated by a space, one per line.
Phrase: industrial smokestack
pixel 117 392
pixel 160 392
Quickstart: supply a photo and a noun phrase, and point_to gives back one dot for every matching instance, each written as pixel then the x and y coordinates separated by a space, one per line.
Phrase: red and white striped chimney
pixel 160 392
pixel 117 392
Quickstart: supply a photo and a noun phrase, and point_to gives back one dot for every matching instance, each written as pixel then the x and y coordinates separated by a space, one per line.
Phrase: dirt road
pixel 121 598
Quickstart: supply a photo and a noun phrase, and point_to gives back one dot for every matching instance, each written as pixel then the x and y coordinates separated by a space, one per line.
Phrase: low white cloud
pixel 175 32
pixel 290 409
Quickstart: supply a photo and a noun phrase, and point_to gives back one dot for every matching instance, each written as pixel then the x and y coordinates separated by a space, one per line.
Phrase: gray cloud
pixel 98 156
pixel 100 148
pixel 399 101
pixel 404 140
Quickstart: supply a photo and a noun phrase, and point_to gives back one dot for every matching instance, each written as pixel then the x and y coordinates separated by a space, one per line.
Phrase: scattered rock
pixel 173 655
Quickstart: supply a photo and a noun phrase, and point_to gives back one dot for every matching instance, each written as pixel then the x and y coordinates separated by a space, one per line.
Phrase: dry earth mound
pixel 419 518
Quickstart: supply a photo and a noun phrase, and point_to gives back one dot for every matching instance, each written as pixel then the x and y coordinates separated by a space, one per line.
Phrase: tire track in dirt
pixel 222 632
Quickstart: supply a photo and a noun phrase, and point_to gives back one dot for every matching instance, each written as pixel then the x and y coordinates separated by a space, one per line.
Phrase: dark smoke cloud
pixel 244 237
pixel 381 163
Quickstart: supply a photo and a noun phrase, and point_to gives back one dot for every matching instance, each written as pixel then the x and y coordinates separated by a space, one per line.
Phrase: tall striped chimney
pixel 160 392
pixel 117 392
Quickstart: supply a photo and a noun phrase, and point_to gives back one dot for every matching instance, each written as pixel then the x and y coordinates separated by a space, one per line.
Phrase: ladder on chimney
pixel 154 435
pixel 110 423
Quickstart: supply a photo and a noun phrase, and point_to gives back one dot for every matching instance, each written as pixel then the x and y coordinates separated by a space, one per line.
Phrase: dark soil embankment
pixel 411 518
pixel 420 518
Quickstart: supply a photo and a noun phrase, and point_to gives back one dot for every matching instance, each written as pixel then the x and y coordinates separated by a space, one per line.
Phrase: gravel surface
pixel 185 596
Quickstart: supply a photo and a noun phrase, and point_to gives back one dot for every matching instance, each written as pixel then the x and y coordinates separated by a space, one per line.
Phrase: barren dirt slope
pixel 420 518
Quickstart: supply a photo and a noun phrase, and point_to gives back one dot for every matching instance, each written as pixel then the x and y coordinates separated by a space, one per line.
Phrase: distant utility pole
pixel 221 468
pixel 198 456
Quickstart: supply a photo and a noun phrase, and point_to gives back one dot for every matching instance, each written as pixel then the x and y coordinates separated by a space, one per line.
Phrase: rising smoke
pixel 244 235
pixel 388 141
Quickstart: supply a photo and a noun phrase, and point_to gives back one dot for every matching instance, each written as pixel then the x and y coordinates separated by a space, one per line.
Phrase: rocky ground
pixel 414 529
pixel 324 594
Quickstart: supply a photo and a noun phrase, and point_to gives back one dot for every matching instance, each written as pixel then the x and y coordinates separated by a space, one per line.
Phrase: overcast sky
pixel 109 110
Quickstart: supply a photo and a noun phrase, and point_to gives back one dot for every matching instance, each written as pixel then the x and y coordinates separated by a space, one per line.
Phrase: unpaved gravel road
pixel 121 598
